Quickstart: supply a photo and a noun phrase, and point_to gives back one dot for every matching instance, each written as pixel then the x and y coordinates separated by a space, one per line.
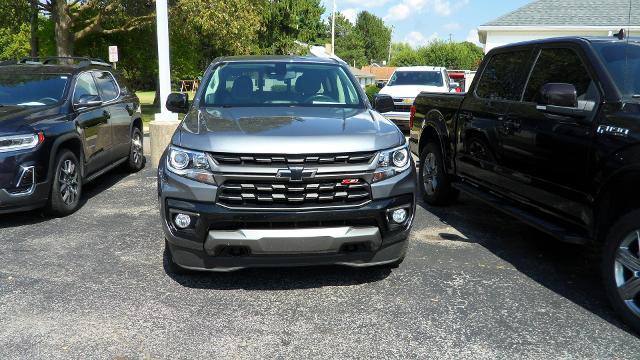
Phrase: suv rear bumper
pixel 225 239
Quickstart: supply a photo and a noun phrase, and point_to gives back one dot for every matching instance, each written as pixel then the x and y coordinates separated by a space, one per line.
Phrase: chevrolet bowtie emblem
pixel 296 173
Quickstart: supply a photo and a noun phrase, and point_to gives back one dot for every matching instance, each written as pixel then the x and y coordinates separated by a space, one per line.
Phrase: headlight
pixel 190 164
pixel 391 163
pixel 20 142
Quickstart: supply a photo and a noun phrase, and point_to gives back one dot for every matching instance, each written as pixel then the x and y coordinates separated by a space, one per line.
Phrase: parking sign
pixel 113 54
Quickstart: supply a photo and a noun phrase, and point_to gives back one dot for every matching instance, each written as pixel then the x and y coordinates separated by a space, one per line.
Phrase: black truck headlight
pixel 20 142
pixel 191 164
pixel 391 163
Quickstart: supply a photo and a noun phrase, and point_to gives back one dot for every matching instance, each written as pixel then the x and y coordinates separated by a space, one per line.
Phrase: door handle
pixel 511 126
pixel 466 116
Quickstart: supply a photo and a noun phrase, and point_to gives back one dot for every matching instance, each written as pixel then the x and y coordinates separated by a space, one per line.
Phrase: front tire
pixel 433 181
pixel 66 187
pixel 621 268
pixel 136 153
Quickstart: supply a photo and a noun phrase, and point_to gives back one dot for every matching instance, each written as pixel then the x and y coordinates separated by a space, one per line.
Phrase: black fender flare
pixel 56 147
pixel 435 120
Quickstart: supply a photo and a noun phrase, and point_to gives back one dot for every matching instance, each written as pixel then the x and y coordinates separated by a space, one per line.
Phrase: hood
pixel 410 91
pixel 23 119
pixel 286 130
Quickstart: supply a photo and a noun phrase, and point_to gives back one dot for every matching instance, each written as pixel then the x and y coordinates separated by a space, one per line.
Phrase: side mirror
pixel 87 101
pixel 383 103
pixel 380 85
pixel 178 103
pixel 559 94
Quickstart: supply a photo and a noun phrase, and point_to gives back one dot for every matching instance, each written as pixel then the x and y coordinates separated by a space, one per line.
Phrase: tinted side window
pixel 501 78
pixel 562 66
pixel 107 85
pixel 84 86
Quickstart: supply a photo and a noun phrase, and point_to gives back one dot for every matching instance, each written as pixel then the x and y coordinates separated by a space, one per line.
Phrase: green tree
pixel 202 30
pixel 76 20
pixel 15 44
pixel 349 42
pixel 376 35
pixel 402 54
pixel 463 55
pixel 287 22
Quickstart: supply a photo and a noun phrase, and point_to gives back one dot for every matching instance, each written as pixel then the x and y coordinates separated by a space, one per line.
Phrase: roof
pixel 361 73
pixel 382 73
pixel 572 13
pixel 278 58
pixel 420 68
pixel 568 39
pixel 39 69
pixel 52 65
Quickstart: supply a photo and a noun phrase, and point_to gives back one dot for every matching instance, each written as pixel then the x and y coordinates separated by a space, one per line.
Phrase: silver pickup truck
pixel 281 161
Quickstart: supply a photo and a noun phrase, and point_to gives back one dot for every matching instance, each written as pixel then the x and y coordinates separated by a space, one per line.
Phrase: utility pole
pixel 333 29
pixel 450 37
pixel 390 42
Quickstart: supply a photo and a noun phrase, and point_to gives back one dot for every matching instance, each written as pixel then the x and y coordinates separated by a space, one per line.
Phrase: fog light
pixel 182 221
pixel 399 216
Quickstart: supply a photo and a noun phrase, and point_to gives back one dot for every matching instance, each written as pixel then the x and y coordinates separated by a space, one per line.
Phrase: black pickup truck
pixel 549 132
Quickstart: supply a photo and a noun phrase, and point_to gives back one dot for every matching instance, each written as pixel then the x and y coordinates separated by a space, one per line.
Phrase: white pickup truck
pixel 407 82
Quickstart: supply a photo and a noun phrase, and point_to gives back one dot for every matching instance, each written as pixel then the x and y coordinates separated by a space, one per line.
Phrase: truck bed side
pixel 435 120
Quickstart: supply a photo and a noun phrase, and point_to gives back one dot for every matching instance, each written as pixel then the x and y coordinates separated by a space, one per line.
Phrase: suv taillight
pixel 412 115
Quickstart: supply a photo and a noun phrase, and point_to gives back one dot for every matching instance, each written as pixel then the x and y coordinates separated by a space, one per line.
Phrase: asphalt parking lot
pixel 475 284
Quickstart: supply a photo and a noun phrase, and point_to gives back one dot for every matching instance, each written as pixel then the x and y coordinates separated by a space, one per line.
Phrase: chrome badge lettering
pixel 613 130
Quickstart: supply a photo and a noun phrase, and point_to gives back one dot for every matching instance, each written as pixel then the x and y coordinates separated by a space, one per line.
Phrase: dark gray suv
pixel 281 161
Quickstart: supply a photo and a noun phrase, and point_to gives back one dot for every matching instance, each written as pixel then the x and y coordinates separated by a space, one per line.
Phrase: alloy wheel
pixel 429 174
pixel 627 271
pixel 69 181
pixel 136 148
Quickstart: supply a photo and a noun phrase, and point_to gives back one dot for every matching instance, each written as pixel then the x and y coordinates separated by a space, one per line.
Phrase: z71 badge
pixel 613 130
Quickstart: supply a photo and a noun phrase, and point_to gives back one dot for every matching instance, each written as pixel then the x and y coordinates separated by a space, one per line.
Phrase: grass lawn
pixel 146 102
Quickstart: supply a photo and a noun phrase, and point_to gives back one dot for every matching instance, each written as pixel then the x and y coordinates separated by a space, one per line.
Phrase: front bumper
pixel 224 239
pixel 18 169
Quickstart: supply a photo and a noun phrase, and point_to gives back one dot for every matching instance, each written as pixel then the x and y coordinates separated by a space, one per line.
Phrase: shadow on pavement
pixel 571 271
pixel 89 190
pixel 292 278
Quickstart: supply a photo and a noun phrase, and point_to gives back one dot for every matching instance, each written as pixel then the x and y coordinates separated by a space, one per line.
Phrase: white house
pixel 553 18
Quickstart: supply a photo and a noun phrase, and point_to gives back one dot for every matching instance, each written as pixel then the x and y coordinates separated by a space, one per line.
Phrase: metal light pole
pixel 390 43
pixel 333 29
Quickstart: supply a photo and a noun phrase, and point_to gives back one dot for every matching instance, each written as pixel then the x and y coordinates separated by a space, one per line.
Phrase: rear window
pixel 502 77
pixel 32 89
pixel 426 78
pixel 280 84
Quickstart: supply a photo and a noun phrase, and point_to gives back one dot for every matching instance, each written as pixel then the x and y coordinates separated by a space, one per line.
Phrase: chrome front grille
pixel 401 108
pixel 323 159
pixel 293 195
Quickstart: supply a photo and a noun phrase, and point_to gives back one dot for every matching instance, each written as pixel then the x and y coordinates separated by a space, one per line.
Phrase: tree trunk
pixel 35 46
pixel 63 32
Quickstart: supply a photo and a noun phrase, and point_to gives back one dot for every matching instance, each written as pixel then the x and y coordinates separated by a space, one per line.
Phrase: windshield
pixel 280 84
pixel 429 78
pixel 32 89
pixel 623 62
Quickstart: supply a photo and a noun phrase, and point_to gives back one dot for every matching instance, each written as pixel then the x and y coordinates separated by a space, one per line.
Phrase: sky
pixel 417 22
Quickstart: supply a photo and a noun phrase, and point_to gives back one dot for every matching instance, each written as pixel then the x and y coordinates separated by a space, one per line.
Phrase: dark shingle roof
pixel 572 13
